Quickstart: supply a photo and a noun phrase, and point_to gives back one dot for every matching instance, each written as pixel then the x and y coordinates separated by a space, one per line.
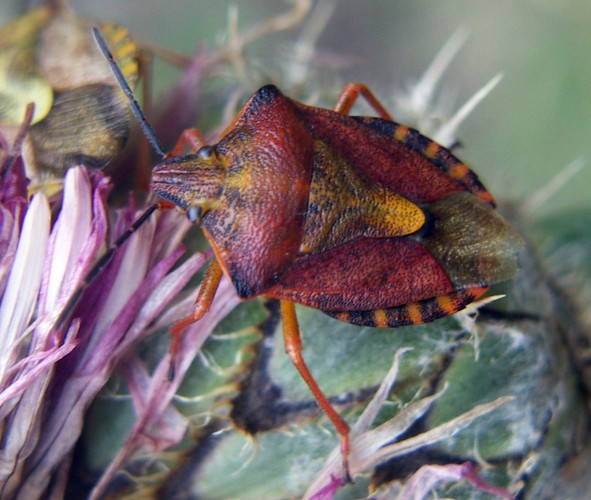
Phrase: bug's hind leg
pixel 293 348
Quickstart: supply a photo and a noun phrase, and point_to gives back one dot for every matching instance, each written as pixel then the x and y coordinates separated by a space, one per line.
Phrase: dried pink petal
pixel 422 483
pixel 20 297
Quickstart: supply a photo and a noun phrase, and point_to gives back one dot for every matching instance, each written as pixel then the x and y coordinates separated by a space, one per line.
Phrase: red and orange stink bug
pixel 360 217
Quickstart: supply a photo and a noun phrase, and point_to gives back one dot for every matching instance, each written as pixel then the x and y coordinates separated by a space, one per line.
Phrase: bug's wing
pixel 394 155
pixel 364 274
pixel 465 246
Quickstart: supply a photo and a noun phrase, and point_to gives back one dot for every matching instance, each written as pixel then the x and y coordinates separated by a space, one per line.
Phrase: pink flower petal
pixel 76 238
pixel 70 233
pixel 39 363
pixel 127 290
pixel 153 401
pixel 421 484
pixel 20 297
pixel 9 234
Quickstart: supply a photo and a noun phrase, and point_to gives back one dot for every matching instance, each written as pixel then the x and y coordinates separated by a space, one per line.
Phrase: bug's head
pixel 194 182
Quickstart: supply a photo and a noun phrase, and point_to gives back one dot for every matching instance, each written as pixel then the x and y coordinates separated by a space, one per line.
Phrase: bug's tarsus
pixel 293 348
pixel 133 103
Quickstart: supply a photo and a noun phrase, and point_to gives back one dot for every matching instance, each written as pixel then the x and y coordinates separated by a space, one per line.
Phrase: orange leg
pixel 293 348
pixel 349 95
pixel 205 296
pixel 190 139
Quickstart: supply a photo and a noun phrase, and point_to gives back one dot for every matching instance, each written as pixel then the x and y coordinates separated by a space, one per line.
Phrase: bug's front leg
pixel 207 290
pixel 350 94
pixel 293 348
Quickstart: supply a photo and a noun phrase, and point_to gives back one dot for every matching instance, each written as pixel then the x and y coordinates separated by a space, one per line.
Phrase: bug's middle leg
pixel 349 95
pixel 191 139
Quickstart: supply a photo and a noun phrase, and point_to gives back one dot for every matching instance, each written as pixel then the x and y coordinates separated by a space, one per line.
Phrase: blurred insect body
pixel 48 57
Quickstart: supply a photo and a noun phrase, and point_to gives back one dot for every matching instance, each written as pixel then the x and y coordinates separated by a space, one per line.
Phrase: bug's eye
pixel 194 214
pixel 205 153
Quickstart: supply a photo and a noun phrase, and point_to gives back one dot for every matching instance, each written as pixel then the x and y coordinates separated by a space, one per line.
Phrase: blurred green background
pixel 535 122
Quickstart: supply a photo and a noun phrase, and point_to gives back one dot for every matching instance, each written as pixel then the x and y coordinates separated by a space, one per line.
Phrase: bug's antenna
pixel 135 106
pixel 100 264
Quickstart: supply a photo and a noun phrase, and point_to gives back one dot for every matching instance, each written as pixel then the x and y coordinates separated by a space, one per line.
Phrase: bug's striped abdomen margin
pixel 414 313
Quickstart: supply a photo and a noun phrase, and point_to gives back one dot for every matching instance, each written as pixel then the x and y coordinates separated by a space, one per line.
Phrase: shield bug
pixel 48 57
pixel 360 217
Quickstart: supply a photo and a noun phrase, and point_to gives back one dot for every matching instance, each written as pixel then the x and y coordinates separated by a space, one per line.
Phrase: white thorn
pixel 446 134
pixel 305 46
pixel 543 194
pixel 422 91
